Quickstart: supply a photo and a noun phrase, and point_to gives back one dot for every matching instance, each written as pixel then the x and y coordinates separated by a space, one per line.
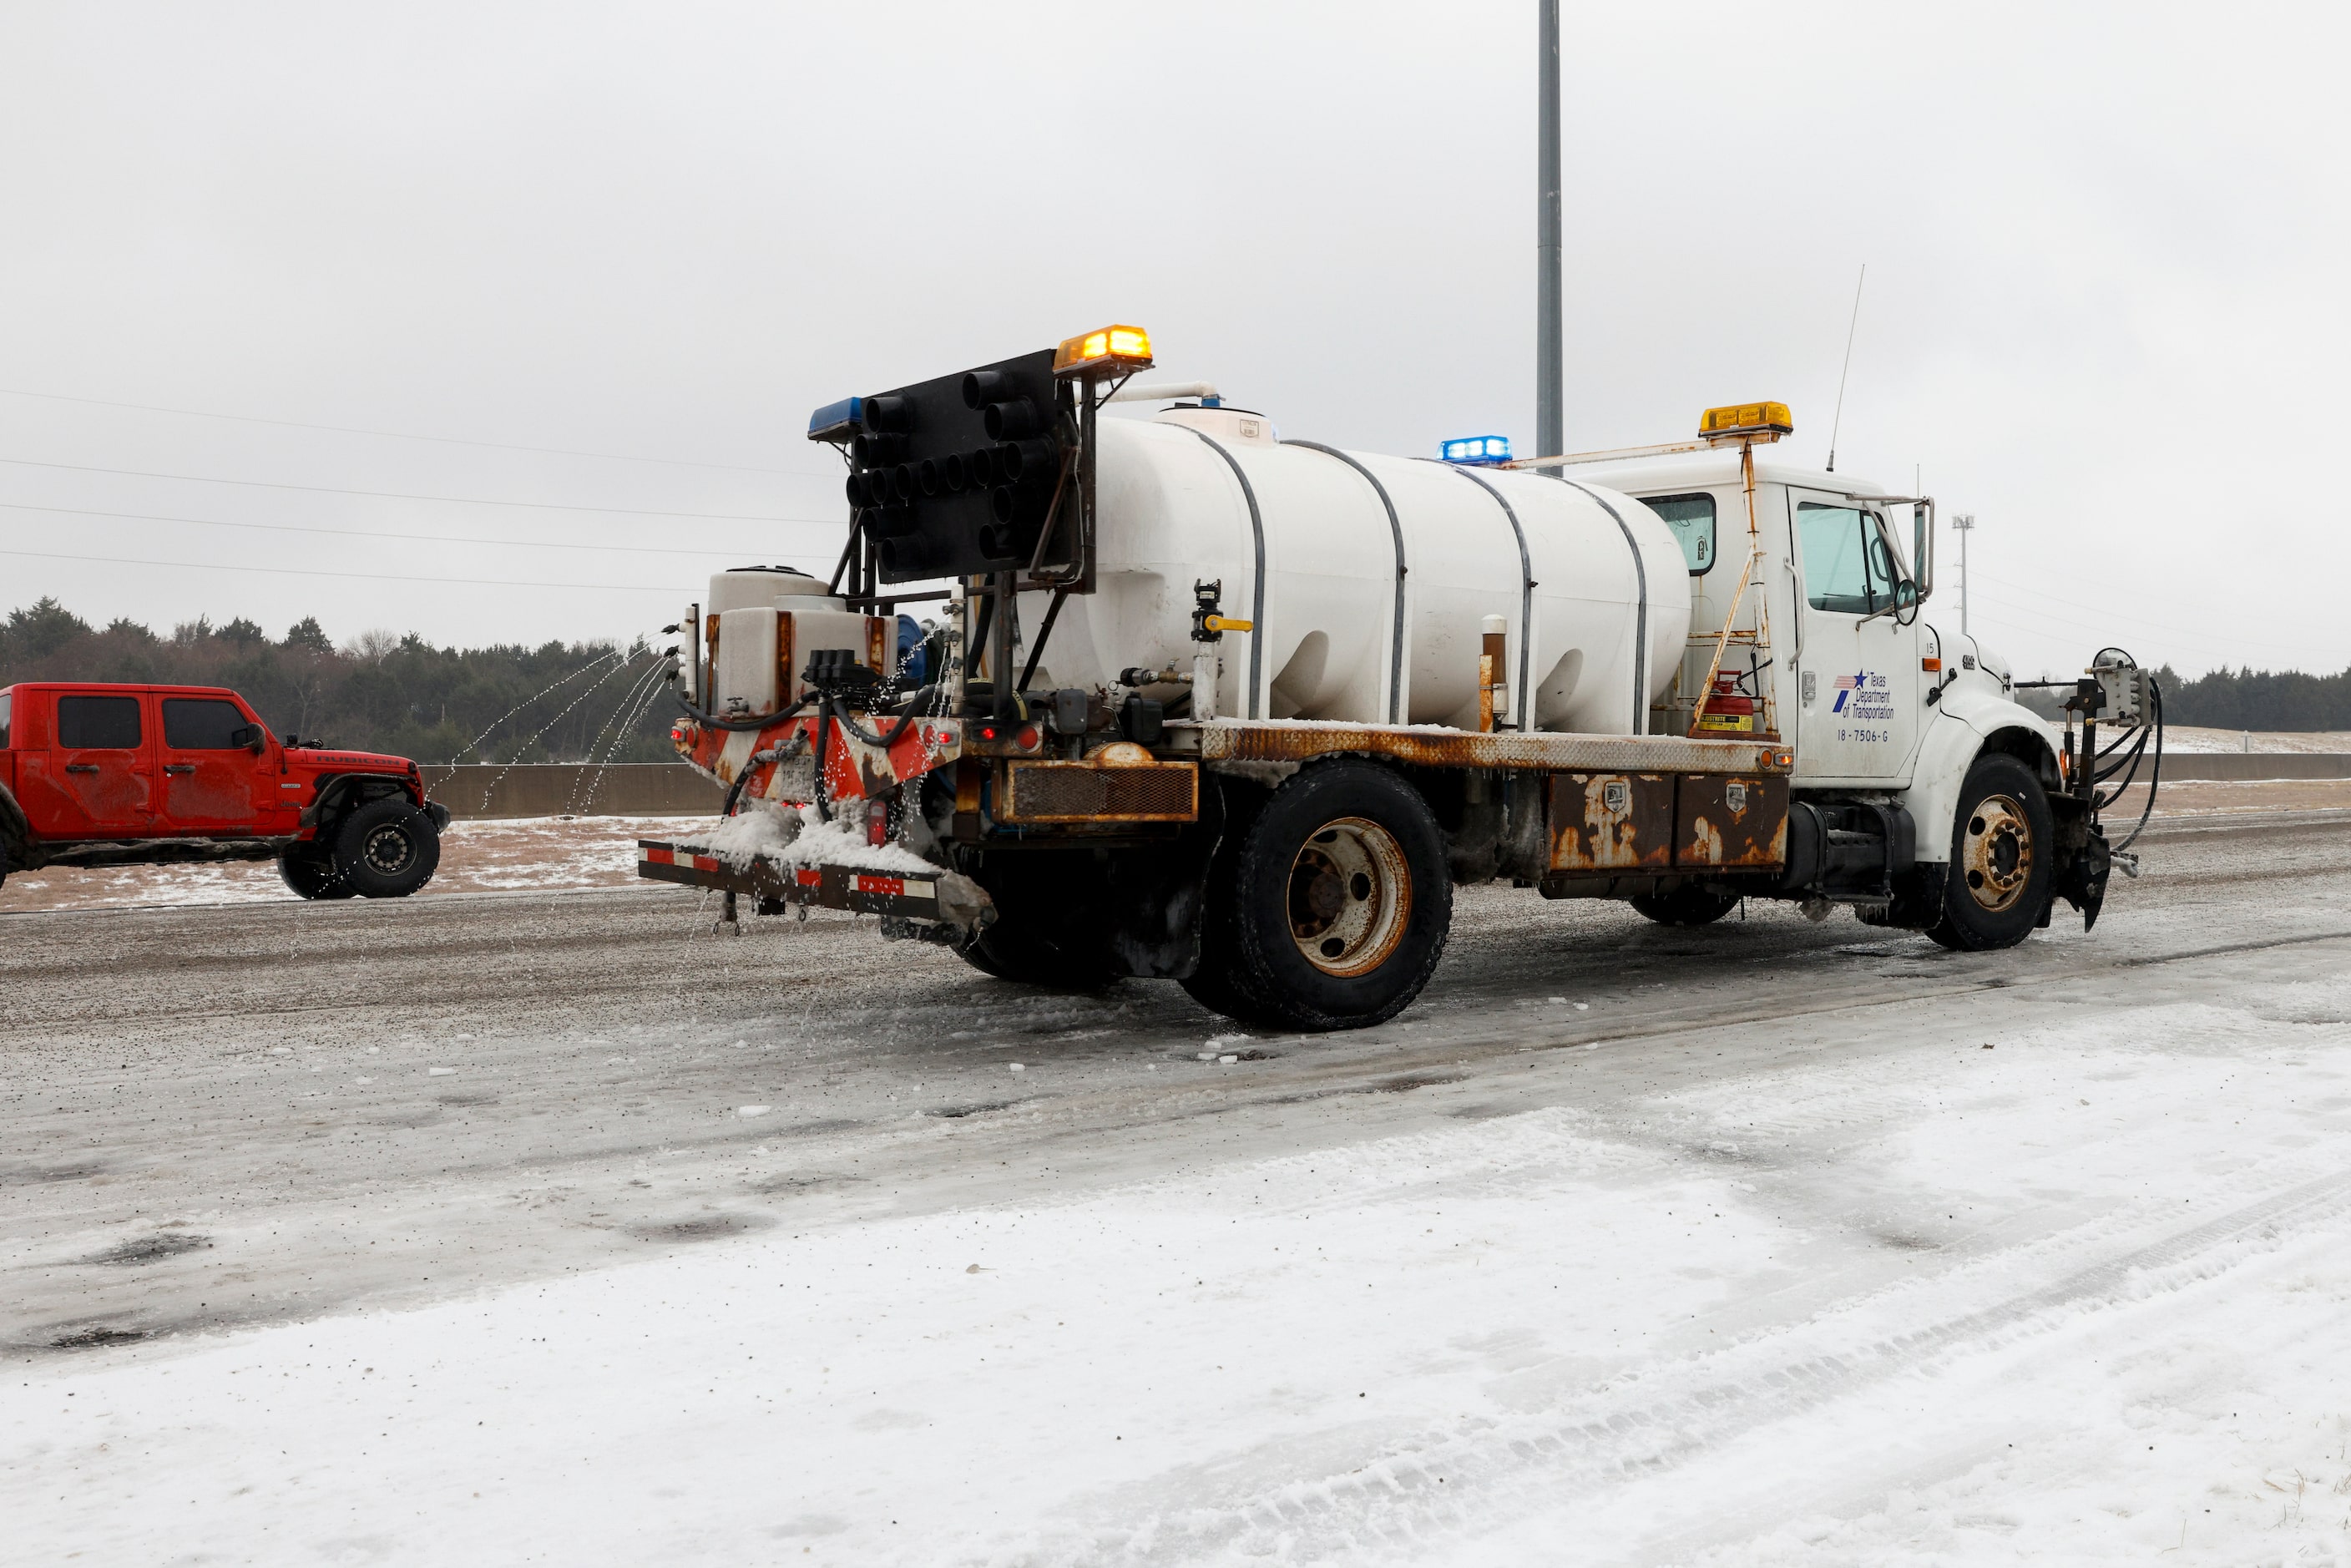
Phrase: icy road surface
pixel 507 1228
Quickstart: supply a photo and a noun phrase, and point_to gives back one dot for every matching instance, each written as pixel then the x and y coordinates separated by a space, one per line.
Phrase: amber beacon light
pixel 1112 350
pixel 1769 420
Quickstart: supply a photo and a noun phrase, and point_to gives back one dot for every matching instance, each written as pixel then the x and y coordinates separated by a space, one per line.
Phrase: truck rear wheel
pixel 2001 848
pixel 1334 907
pixel 387 849
pixel 1685 906
pixel 312 874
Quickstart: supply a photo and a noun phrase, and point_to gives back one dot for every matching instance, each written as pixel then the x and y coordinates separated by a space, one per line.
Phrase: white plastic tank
pixel 761 623
pixel 1368 578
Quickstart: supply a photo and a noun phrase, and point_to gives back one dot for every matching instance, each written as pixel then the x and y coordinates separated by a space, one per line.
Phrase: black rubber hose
pixel 823 734
pixel 757 721
pixel 2154 779
pixel 906 720
pixel 756 759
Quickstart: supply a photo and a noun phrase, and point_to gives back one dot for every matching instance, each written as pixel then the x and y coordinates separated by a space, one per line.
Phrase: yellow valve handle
pixel 1227 623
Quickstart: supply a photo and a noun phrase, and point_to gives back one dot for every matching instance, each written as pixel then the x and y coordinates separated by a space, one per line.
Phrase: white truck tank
pixel 1368 579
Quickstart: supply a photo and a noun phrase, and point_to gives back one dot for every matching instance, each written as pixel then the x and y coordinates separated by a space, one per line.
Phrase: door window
pixel 1692 519
pixel 201 724
pixel 6 699
pixel 1848 566
pixel 108 724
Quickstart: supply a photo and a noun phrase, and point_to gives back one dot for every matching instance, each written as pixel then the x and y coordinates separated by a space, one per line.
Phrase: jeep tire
pixel 386 849
pixel 312 874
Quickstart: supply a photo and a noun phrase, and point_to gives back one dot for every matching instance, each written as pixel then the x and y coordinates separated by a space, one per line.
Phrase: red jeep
pixel 109 775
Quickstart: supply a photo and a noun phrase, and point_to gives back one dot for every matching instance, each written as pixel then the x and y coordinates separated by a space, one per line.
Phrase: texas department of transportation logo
pixel 1863 696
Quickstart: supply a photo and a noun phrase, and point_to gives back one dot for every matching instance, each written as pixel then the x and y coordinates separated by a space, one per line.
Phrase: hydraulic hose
pixel 2154 779
pixel 757 721
pixel 906 720
pixel 756 759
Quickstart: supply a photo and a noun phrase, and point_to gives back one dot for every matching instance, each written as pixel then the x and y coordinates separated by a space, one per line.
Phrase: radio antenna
pixel 1838 422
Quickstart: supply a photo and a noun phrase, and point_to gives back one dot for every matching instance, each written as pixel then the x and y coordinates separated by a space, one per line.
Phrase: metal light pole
pixel 1551 422
pixel 1965 523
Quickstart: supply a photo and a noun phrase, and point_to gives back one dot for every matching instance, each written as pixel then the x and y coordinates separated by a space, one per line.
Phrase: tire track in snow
pixel 1450 1484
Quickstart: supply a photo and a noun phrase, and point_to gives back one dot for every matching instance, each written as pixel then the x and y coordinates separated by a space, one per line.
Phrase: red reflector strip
pixel 706 862
pixel 660 856
pixel 895 886
pixel 809 877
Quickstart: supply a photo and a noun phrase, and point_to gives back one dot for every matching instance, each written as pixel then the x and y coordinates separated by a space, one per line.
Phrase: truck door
pixel 101 782
pixel 211 784
pixel 1857 692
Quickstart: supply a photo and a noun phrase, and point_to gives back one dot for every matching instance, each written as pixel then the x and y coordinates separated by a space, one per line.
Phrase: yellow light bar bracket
pixel 1107 350
pixel 1747 421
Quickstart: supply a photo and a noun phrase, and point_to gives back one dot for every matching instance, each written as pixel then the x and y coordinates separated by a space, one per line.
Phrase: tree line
pixel 559 702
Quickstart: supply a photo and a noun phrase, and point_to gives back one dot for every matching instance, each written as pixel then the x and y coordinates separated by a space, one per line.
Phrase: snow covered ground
pixel 1775 1243
pixel 527 852
pixel 2192 738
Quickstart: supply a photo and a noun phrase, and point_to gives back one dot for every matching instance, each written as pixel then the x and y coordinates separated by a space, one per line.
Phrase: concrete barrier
pixel 2192 767
pixel 572 789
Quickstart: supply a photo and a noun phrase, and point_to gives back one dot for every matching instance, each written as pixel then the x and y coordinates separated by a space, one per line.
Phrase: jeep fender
pixel 1965 725
pixel 345 792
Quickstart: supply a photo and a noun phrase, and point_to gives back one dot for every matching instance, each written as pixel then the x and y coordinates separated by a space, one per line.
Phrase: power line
pixel 372 533
pixel 405 436
pixel 366 576
pixel 403 496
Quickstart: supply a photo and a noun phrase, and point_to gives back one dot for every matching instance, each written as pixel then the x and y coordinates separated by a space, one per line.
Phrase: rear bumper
pixel 943 899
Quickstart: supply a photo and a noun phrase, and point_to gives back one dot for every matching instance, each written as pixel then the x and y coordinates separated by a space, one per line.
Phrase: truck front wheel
pixel 1335 904
pixel 387 849
pixel 2001 848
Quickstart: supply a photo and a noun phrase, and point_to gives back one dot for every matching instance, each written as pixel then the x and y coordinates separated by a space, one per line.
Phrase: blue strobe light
pixel 836 422
pixel 1477 451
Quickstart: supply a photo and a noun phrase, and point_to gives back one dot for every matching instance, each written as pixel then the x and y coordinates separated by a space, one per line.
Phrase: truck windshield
pixel 1847 566
pixel 1692 519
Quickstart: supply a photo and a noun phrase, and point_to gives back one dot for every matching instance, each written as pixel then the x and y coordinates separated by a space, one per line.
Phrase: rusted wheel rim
pixel 1350 896
pixel 1998 858
pixel 388 851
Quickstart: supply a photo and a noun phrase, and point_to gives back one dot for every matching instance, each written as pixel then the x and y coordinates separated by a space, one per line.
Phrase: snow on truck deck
pixel 505 1230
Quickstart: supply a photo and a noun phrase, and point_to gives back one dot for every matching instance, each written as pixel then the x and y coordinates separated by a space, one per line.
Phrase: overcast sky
pixel 612 256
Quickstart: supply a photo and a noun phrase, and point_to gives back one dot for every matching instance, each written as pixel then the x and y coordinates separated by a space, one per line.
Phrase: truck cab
pixel 1807 590
pixel 108 774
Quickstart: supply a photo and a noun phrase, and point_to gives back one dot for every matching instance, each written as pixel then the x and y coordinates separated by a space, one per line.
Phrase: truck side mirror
pixel 1907 595
pixel 247 736
pixel 1922 545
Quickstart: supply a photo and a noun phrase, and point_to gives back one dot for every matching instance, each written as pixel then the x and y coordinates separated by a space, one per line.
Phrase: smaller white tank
pixel 761 623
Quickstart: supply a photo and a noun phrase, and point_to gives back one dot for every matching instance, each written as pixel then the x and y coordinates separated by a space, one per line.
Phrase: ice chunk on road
pixel 441 1073
pixel 747 1112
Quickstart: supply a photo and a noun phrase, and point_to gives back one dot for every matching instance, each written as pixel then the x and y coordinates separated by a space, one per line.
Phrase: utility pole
pixel 1965 523
pixel 1551 371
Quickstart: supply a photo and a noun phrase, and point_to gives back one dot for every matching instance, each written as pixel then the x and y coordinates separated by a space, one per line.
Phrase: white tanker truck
pixel 1190 701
